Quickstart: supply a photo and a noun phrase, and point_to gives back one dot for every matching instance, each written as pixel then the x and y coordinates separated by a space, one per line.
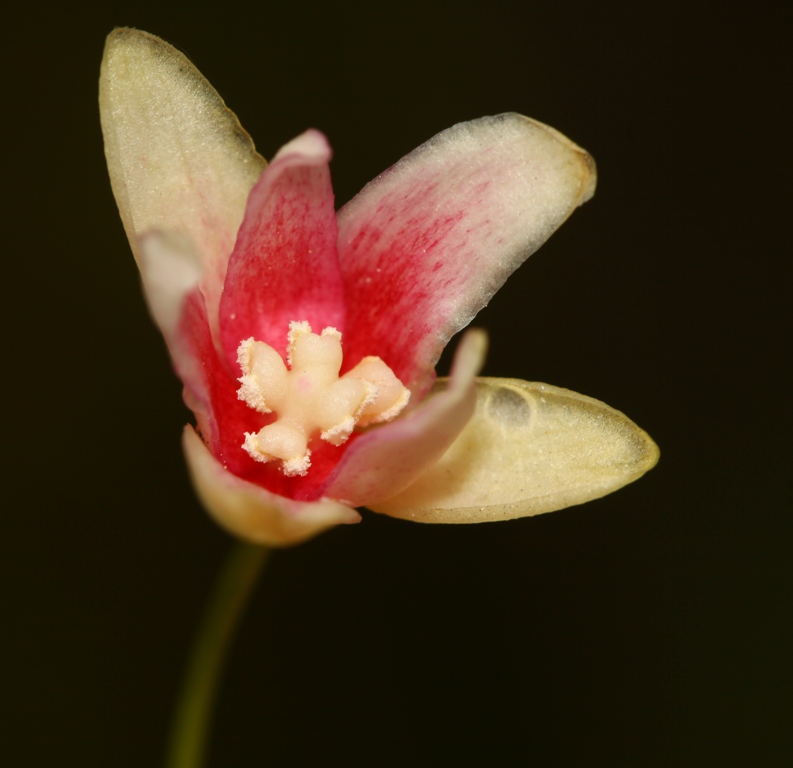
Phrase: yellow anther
pixel 309 397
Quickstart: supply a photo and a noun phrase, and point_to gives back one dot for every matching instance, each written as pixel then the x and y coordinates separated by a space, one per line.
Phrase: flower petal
pixel 249 511
pixel 425 245
pixel 285 265
pixel 179 160
pixel 529 448
pixel 387 459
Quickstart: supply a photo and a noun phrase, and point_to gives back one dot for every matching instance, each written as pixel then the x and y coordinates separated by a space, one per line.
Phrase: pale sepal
pixel 178 158
pixel 251 512
pixel 389 458
pixel 529 448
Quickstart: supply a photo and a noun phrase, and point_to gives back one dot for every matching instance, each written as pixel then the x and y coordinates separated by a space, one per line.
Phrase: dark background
pixel 649 628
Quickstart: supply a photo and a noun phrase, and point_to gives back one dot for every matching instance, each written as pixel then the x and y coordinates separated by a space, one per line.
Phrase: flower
pixel 245 264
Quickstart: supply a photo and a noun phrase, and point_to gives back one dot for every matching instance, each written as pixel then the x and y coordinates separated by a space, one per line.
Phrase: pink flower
pixel 243 265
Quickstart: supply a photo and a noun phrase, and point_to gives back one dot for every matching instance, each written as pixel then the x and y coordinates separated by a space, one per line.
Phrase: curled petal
pixel 425 245
pixel 285 265
pixel 249 511
pixel 384 461
pixel 178 158
pixel 529 448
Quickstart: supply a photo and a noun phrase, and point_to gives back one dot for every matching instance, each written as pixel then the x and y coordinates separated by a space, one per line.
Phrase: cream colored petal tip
pixel 251 512
pixel 529 448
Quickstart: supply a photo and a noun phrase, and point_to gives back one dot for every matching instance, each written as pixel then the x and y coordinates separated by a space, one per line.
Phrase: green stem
pixel 225 607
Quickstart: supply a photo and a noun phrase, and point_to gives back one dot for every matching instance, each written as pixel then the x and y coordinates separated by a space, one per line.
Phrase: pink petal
pixel 251 512
pixel 285 265
pixel 384 461
pixel 179 160
pixel 425 245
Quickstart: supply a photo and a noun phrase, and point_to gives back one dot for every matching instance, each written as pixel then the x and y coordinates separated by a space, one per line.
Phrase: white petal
pixel 529 448
pixel 179 160
pixel 249 511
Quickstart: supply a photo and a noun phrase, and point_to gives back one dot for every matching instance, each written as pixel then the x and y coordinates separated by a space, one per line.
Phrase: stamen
pixel 309 397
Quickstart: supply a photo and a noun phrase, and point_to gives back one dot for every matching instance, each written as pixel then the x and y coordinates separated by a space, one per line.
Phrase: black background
pixel 649 628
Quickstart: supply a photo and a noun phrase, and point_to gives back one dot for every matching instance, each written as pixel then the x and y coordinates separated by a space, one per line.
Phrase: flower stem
pixel 222 615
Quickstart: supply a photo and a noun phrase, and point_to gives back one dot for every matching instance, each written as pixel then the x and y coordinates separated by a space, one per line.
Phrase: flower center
pixel 310 397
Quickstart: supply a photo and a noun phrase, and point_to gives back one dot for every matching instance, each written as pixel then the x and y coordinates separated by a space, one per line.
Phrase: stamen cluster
pixel 308 396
